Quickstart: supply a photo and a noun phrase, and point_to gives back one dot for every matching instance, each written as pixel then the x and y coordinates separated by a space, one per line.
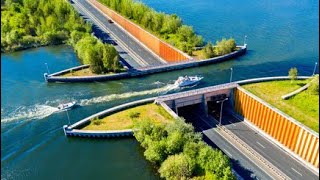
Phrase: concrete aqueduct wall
pixel 162 49
pixel 292 135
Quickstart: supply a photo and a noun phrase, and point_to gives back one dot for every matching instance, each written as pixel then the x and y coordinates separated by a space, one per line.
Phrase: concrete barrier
pixel 73 131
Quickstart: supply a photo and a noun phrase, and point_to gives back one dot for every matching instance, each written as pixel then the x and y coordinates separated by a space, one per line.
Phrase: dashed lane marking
pixel 296 171
pixel 261 145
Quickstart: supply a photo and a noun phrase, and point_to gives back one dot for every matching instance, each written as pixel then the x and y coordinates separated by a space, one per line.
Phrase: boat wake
pixel 39 111
pixel 34 112
pixel 107 98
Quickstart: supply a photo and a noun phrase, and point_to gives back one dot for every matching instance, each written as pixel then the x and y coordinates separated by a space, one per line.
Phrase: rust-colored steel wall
pixel 293 136
pixel 162 49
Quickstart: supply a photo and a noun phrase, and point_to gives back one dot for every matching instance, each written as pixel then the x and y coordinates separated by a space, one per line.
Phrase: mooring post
pixel 65 129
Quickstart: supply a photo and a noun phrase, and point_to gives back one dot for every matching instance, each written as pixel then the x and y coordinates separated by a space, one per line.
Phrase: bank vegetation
pixel 167 27
pixel 29 23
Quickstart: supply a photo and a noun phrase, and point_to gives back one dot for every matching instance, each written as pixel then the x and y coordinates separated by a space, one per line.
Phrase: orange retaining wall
pixel 289 133
pixel 162 49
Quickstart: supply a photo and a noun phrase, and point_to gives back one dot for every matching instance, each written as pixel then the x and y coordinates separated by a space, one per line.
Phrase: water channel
pixel 281 35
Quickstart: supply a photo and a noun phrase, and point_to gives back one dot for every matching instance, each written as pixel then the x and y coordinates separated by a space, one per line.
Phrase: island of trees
pixel 29 23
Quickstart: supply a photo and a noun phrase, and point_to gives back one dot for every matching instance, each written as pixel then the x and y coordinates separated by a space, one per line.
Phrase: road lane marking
pixel 227 152
pixel 231 123
pixel 261 145
pixel 296 171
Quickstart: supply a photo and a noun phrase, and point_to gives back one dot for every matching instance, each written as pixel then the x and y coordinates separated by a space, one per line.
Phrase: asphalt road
pixel 274 154
pixel 240 163
pixel 140 56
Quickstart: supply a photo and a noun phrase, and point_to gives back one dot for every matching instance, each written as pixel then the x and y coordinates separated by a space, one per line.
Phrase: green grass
pixel 304 107
pixel 87 72
pixel 126 119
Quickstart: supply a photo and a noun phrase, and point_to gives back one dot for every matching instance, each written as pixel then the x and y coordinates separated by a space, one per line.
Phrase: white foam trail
pixel 111 97
pixel 35 112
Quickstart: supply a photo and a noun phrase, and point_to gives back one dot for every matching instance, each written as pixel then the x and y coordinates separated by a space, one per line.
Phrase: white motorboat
pixel 67 106
pixel 187 81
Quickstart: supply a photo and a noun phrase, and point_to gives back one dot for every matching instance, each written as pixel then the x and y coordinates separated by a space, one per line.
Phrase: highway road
pixel 140 56
pixel 271 152
pixel 274 154
pixel 240 163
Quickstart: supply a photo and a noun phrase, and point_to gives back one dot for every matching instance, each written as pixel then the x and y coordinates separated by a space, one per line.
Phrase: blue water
pixel 281 35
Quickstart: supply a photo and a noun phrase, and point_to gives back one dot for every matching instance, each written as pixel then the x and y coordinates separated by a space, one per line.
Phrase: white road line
pixel 261 145
pixel 296 171
pixel 231 123
pixel 229 154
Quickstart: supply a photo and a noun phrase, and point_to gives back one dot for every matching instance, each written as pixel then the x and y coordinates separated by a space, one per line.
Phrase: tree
pixel 224 46
pixel 155 152
pixel 208 51
pixel 176 167
pixel 293 73
pixel 314 85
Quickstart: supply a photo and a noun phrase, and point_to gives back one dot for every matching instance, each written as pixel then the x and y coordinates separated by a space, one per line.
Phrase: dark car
pixel 110 21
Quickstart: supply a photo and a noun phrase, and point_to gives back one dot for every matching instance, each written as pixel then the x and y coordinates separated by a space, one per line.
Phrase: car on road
pixel 110 21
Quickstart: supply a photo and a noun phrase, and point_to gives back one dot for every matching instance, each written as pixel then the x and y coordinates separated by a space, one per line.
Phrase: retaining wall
pixel 143 71
pixel 162 49
pixel 73 131
pixel 291 134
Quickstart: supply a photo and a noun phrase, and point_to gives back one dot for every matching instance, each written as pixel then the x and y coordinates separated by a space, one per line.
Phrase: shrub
pixel 293 73
pixel 314 86
pixel 134 115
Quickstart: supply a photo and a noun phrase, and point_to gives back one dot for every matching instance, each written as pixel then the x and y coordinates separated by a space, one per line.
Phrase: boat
pixel 187 81
pixel 67 106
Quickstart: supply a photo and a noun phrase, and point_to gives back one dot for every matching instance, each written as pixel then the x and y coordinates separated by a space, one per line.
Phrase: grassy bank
pixel 303 107
pixel 126 119
pixel 88 72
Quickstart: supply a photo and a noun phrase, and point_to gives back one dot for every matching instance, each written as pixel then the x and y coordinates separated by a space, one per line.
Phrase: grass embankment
pixel 87 72
pixel 303 107
pixel 126 119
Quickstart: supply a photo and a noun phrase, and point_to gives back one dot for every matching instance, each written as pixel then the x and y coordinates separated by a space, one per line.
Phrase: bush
pixel 176 167
pixel 96 121
pixel 314 85
pixel 224 47
pixel 293 73
pixel 180 153
pixel 133 115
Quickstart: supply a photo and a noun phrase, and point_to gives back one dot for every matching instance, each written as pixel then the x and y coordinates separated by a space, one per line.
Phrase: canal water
pixel 280 34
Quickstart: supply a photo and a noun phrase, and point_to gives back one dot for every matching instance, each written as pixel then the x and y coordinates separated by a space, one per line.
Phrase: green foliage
pixel 293 73
pixel 133 115
pixel 314 85
pixel 224 46
pixel 29 23
pixel 208 51
pixel 96 121
pixel 176 167
pixel 180 152
pixel 160 24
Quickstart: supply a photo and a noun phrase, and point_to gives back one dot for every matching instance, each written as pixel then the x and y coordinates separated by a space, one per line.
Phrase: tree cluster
pixel 167 27
pixel 32 23
pixel 225 46
pixel 102 58
pixel 180 153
